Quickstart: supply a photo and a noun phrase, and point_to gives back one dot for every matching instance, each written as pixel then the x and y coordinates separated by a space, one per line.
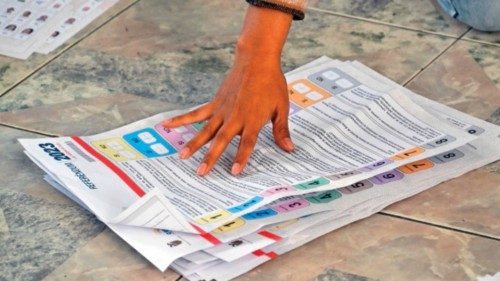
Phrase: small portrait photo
pixel 70 21
pixel 11 27
pixel 86 8
pixel 27 31
pixel 10 10
pixel 174 243
pixel 26 14
pixel 42 18
pixel 55 34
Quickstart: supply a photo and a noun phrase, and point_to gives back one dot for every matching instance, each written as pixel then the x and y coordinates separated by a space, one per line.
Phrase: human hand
pixel 253 93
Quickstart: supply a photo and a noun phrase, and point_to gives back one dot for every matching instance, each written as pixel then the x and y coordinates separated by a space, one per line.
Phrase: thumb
pixel 280 129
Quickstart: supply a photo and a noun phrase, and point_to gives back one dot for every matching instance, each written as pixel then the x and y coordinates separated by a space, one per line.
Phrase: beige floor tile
pixel 154 26
pixel 466 77
pixel 385 248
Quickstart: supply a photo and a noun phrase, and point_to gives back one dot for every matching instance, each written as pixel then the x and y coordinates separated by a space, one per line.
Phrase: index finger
pixel 201 113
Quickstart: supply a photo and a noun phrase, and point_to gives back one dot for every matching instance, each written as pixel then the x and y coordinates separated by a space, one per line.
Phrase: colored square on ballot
pixel 116 149
pixel 304 93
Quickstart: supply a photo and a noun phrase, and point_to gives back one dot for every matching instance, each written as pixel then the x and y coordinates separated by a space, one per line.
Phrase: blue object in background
pixel 480 14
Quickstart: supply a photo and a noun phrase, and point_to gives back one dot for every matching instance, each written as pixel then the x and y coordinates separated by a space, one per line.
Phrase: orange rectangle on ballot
pixel 304 93
pixel 408 153
pixel 416 166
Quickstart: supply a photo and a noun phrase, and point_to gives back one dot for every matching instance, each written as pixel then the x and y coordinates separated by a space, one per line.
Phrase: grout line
pixel 28 130
pixel 461 230
pixel 434 59
pixel 65 49
pixel 481 42
pixel 383 23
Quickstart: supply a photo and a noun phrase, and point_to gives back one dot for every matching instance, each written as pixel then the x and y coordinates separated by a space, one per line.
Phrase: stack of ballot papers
pixel 28 26
pixel 362 143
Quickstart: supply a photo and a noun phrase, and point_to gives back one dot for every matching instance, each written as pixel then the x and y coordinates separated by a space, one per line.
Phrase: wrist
pixel 255 48
pixel 264 33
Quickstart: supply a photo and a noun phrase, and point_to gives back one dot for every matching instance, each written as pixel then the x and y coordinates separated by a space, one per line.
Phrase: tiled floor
pixel 144 57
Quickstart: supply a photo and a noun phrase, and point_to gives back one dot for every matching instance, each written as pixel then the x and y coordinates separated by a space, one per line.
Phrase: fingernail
pixel 289 144
pixel 184 153
pixel 202 169
pixel 236 169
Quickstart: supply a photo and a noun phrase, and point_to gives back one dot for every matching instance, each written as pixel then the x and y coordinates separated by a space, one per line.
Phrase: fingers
pixel 245 149
pixel 280 129
pixel 204 136
pixel 219 144
pixel 199 114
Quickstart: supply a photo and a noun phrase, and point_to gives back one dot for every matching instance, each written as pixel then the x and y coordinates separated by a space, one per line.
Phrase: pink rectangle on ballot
pixel 280 189
pixel 179 136
pixel 291 205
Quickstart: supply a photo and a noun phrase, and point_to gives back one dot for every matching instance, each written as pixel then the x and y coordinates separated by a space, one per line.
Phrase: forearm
pixel 264 33
pixel 294 7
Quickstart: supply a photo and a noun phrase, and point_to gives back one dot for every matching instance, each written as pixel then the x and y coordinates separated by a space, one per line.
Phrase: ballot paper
pixel 344 132
pixel 73 23
pixel 27 26
pixel 364 144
